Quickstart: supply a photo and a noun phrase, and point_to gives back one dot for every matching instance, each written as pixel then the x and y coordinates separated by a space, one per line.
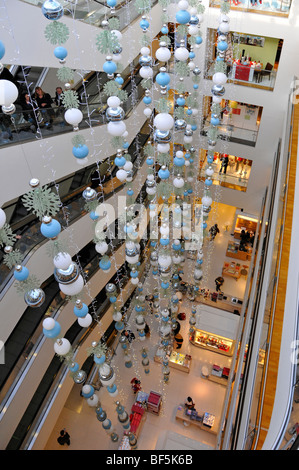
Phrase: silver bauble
pixel 35 297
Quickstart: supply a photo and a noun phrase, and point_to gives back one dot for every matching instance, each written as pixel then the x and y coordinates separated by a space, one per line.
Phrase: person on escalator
pixel 30 114
pixel 44 102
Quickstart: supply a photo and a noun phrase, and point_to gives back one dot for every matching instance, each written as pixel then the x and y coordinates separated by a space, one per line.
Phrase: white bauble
pixel 116 128
pixel 145 51
pixel 49 323
pixel 181 54
pixel 224 27
pixel 200 18
pixel 151 191
pixel 187 163
pixel 209 171
pixel 113 101
pixel 116 57
pixel 219 78
pixel 86 321
pixel 101 247
pixel 134 280
pixel 217 99
pixel 117 316
pixel 82 161
pixel 163 121
pixel 128 165
pixel 93 401
pixel 191 65
pixel 73 288
pixel 147 112
pixel 146 72
pixel 164 261
pixel 163 148
pixel 117 34
pixel 164 230
pixel 163 54
pixel 206 201
pixel 224 18
pixel 62 260
pixel 150 177
pixel 183 5
pixel 62 346
pixel 8 93
pixel 188 139
pixel 73 116
pixel 2 218
pixel 193 30
pixel 121 175
pixel 179 154
pixel 190 179
pixel 125 134
pixel 194 111
pixel 178 182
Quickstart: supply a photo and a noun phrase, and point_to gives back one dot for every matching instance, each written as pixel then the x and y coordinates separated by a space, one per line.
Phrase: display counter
pixel 232 269
pixel 212 342
pixel 205 421
pixel 177 361
pixel 233 251
pixel 243 222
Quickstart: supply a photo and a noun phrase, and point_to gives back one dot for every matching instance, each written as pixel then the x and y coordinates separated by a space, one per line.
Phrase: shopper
pixel 30 114
pixel 219 281
pixel 189 404
pixel 136 385
pixel 64 438
pixel 224 163
pixel 213 231
pixel 129 335
pixel 178 341
pixel 58 97
pixel 44 102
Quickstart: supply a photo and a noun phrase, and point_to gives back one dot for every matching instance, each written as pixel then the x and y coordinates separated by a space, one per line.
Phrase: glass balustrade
pixel 264 7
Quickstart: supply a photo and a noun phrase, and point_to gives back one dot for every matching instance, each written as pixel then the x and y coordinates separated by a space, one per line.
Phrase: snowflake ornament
pixel 42 201
pixel 57 33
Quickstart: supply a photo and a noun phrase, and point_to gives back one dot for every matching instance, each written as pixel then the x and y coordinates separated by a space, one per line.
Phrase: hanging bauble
pixel 106 374
pixel 2 50
pixel 163 54
pixel 146 72
pixel 60 53
pixel 52 10
pixel 117 128
pixel 181 53
pixel 87 391
pixel 224 27
pixel 163 122
pixel 86 321
pixel 206 201
pixel 121 175
pixel 178 182
pixel 194 20
pixel 128 166
pixel 62 260
pixel 181 101
pixel 162 78
pixel 67 276
pixel 182 15
pixel 21 273
pixel 105 264
pixel 163 173
pixel 215 121
pixel 51 328
pixel 145 60
pixel 80 309
pixel 115 114
pixel 73 116
pixel 74 288
pixel 62 346
pixel 81 151
pixel 109 66
pixel 35 297
pixel 89 194
pixel 2 218
pixel 222 46
pixel 162 137
pixel 79 377
pixel 101 247
pixel 219 78
pixel 218 90
pixel 144 24
pixel 180 124
pixel 8 95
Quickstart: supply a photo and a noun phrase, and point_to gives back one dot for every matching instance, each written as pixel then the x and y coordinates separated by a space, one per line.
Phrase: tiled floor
pixel 163 431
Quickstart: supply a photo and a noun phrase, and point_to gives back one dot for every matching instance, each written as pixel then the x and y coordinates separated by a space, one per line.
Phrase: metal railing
pixel 265 7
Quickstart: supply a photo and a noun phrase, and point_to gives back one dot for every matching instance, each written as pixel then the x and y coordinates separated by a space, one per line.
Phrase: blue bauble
pixel 81 312
pixel 193 127
pixel 134 274
pixel 22 274
pixel 162 78
pixel 149 161
pixel 144 24
pixel 164 30
pixel 179 161
pixel 198 40
pixel 111 3
pixel 189 112
pixel 182 17
pixel 120 161
pixel 215 121
pixel 180 101
pixel 93 215
pixel 191 55
pixel 195 86
pixel 187 155
pixel 75 367
pixel 99 360
pixel 222 46
pixel 50 230
pixel 2 50
pixel 112 389
pixel 164 241
pixel 204 225
pixel 81 151
pixel 109 67
pixel 190 191
pixel 163 174
pixel 164 285
pixel 52 10
pixel 112 299
pixel 208 182
pixel 126 145
pixel 147 100
pixel 60 52
pixel 107 425
pixel 130 192
pixel 119 80
pixel 54 332
pixel 105 264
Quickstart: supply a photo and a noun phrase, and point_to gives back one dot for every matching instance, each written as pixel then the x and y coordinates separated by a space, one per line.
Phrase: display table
pixel 232 270
pixel 233 251
pixel 212 342
pixel 242 72
pixel 177 361
pixel 205 421
pixel 154 402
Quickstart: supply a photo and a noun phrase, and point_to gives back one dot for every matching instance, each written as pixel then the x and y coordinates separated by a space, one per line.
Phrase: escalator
pixel 28 77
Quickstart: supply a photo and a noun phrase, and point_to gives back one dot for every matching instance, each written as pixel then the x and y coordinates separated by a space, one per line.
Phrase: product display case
pixel 177 361
pixel 233 251
pixel 243 222
pixel 212 342
pixel 203 420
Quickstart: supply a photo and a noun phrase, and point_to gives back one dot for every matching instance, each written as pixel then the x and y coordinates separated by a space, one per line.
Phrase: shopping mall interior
pixel 148 225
